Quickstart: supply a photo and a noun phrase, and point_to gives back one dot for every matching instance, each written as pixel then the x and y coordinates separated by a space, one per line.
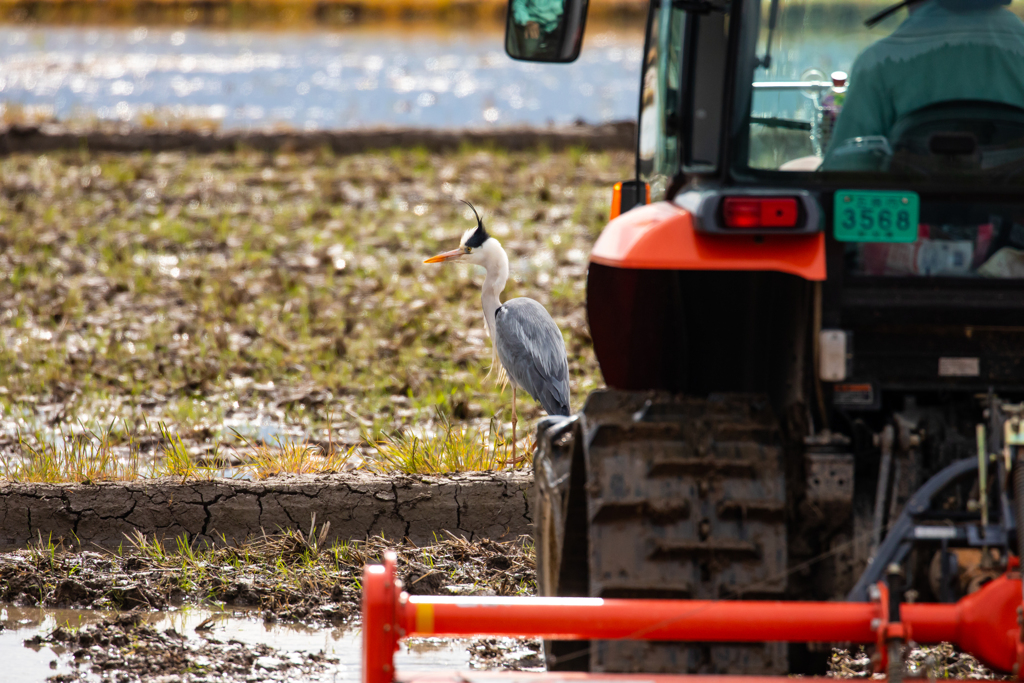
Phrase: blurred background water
pixel 307 80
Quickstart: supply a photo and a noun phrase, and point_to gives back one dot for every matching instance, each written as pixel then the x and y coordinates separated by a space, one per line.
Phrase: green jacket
pixel 941 52
pixel 547 13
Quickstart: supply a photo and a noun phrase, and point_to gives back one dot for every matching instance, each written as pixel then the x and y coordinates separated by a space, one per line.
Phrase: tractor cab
pixel 809 310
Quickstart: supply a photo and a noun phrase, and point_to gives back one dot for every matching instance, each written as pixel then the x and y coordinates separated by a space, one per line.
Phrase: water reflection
pixel 307 80
pixel 27 663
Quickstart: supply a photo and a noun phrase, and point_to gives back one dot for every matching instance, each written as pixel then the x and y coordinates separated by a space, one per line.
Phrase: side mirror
pixel 545 30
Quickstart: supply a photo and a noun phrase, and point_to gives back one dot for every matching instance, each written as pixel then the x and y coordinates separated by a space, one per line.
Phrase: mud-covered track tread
pixel 667 550
pixel 693 466
pixel 686 498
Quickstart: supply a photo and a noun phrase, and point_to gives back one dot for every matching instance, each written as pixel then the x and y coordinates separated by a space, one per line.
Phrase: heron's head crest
pixel 475 237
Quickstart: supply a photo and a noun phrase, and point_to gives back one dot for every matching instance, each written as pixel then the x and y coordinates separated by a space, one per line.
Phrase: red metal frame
pixel 984 624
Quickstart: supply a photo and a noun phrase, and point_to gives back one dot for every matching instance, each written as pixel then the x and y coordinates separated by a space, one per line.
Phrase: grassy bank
pixel 212 305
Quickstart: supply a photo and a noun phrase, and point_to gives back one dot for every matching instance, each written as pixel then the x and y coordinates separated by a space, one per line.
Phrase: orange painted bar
pixel 983 623
pixel 586 618
pixel 380 639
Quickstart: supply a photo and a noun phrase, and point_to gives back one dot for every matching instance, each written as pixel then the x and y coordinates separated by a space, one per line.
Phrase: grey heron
pixel 525 341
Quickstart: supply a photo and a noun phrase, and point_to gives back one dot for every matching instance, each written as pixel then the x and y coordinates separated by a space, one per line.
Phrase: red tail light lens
pixel 760 212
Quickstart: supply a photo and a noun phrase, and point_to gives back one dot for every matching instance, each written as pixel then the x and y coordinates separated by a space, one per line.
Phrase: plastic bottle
pixel 831 105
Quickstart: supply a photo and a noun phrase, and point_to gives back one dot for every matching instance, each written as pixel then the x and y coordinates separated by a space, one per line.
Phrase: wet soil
pixel 929 662
pixel 288 576
pixel 125 648
pixel 53 137
pixel 41 644
pixel 507 654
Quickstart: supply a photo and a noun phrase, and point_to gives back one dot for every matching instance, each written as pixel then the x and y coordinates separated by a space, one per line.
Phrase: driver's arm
pixel 520 12
pixel 868 109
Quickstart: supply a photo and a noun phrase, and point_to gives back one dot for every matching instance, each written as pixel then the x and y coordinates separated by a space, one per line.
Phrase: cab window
pixel 930 92
pixel 660 100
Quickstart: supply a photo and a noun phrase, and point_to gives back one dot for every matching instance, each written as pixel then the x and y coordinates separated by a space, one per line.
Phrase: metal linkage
pixel 984 624
pixel 893 633
pixel 916 524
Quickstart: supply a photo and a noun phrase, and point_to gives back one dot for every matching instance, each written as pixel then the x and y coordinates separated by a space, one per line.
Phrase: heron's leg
pixel 513 423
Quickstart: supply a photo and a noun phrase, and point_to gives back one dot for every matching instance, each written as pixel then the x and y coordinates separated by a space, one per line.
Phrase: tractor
pixel 811 349
pixel 808 309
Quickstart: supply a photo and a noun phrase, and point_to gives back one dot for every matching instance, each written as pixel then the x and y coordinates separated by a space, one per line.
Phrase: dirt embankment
pixel 52 137
pixel 357 505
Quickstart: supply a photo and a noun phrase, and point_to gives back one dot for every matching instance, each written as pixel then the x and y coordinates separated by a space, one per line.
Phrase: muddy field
pixel 290 578
pixel 158 305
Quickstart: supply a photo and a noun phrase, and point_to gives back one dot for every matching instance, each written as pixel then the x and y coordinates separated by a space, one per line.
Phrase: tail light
pixel 760 212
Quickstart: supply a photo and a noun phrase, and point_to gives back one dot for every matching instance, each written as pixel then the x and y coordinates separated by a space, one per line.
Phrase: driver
pixel 945 50
pixel 537 22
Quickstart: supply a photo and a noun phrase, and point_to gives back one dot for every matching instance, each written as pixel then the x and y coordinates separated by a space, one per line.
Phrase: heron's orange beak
pixel 446 256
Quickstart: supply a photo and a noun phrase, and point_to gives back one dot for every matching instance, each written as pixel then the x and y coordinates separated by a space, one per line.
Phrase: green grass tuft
pixel 453 448
pixel 287 457
pixel 80 457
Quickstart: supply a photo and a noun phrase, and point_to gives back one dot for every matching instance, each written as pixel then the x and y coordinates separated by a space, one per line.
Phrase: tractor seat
pixel 960 137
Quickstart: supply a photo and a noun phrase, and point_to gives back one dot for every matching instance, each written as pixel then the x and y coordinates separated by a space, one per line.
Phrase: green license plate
pixel 876 216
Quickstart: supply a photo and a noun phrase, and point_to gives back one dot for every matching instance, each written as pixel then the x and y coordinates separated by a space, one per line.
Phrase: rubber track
pixel 686 499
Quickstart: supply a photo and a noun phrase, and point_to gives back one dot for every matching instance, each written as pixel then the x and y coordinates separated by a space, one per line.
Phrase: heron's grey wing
pixel 530 346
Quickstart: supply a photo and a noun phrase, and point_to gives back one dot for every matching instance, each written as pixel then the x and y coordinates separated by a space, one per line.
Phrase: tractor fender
pixel 662 236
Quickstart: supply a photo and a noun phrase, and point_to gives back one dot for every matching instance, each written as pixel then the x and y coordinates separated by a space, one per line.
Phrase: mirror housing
pixel 627 195
pixel 545 30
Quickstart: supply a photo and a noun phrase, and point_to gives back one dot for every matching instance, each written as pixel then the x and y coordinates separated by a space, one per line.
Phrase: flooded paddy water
pixel 419 76
pixel 200 644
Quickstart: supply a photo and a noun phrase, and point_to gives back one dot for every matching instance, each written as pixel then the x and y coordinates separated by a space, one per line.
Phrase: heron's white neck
pixel 493 258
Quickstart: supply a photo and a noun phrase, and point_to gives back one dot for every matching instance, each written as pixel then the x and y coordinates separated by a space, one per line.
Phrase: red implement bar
pixel 983 623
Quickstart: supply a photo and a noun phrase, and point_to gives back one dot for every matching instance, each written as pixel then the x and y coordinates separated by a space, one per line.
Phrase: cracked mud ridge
pixel 353 505
pixel 289 576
